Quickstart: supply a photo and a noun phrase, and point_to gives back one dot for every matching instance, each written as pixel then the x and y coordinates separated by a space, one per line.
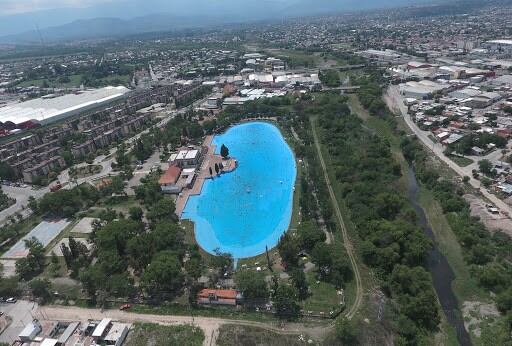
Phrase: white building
pixel 51 109
pixel 185 158
pixel 102 329
pixel 30 331
pixel 499 46
pixel 117 334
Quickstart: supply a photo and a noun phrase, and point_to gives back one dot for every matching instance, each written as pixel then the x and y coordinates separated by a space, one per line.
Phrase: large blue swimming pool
pixel 243 211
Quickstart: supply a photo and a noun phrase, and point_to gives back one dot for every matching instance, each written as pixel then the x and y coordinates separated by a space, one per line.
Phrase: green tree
pixel 9 287
pixel 346 332
pixel 34 263
pixel 252 285
pixel 285 302
pixel 485 166
pixel 162 210
pixel 289 248
pixel 136 213
pixel 224 151
pixel 299 281
pixel 309 234
pixel 164 274
pixel 33 205
pixel 41 288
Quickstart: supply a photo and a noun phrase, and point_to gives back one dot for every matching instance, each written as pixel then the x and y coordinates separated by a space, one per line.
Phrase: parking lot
pixel 21 313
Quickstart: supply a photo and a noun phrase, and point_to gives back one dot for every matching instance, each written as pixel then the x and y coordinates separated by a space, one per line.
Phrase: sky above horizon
pixel 13 7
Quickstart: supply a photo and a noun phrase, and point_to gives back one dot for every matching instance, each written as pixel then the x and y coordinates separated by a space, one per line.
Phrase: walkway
pixel 346 239
pixel 211 159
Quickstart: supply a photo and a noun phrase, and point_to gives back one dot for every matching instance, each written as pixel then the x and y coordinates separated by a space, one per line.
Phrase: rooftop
pixel 43 109
pixel 170 176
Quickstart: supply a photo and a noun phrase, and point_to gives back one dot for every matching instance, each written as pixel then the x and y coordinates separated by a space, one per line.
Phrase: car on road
pixel 11 300
pixel 125 307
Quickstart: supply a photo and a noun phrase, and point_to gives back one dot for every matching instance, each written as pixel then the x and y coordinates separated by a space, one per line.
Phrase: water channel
pixel 442 274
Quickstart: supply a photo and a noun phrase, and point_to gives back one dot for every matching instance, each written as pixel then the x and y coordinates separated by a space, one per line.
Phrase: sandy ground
pixel 209 325
pixel 493 222
pixel 84 226
pixel 475 312
pixel 9 268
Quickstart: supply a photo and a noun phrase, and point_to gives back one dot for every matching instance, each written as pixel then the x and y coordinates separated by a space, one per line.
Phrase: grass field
pixel 324 297
pixel 74 81
pixel 153 334
pixel 233 335
pixel 461 161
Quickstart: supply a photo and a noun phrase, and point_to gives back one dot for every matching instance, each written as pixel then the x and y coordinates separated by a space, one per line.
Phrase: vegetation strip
pixel 346 240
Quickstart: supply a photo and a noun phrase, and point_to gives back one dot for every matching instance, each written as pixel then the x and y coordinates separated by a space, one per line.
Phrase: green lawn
pixel 153 334
pixel 74 81
pixel 461 161
pixel 324 297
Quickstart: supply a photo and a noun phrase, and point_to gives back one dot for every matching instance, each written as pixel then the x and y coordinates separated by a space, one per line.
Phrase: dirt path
pixel 346 240
pixel 209 325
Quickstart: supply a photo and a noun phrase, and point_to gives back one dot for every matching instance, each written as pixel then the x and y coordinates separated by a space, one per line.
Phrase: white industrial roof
pixel 501 42
pixel 49 342
pixel 100 328
pixel 116 332
pixel 28 330
pixel 44 109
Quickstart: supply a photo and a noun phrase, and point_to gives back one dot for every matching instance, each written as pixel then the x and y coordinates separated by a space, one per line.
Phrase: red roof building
pixel 168 180
pixel 217 297
pixel 171 176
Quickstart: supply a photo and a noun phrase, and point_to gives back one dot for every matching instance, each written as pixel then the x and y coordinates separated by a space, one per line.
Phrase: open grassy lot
pixel 153 334
pixel 461 161
pixel 74 81
pixel 232 335
pixel 324 297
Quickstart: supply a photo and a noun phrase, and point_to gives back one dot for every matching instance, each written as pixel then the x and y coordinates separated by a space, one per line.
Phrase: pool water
pixel 244 211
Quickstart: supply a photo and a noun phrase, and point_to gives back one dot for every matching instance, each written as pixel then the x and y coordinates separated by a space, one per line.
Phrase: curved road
pixel 346 240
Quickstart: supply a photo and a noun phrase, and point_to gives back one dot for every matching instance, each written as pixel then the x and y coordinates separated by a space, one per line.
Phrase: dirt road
pixel 346 239
pixel 209 325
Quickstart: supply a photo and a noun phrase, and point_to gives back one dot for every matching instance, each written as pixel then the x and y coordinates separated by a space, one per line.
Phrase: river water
pixel 442 274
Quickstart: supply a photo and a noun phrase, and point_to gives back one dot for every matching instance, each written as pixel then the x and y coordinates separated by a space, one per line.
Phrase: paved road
pixel 395 102
pixel 346 239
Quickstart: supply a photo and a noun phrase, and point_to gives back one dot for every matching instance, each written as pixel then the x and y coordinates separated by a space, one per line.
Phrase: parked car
pixel 55 187
pixel 125 307
pixel 11 300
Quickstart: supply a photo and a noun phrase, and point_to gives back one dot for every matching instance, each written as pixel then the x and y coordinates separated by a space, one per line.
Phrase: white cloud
pixel 9 7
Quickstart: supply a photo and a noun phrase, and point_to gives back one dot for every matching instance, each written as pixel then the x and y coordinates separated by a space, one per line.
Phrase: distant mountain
pixel 108 27
pixel 128 17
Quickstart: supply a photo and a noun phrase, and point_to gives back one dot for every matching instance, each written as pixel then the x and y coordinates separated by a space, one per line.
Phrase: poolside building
pixel 168 181
pixel 186 158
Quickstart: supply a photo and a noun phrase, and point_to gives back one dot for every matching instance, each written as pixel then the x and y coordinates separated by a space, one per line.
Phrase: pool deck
pixel 204 173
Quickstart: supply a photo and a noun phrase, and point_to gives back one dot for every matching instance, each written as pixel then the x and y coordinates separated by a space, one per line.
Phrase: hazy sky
pixel 8 7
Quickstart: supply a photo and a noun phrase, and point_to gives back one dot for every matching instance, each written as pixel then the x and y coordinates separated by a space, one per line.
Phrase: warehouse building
pixel 50 108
